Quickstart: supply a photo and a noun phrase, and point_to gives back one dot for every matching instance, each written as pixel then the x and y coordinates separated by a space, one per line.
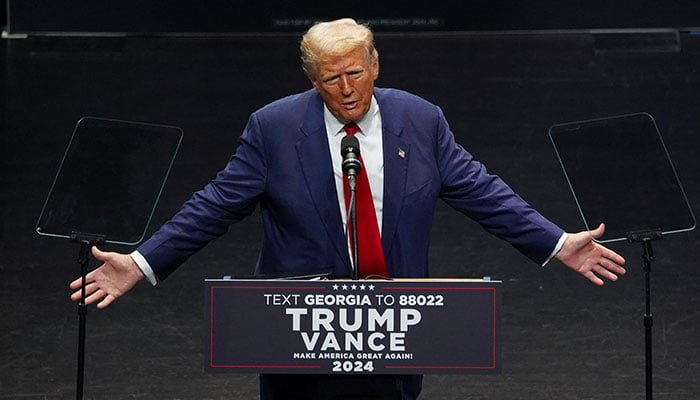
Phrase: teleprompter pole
pixel 86 242
pixel 648 257
pixel 645 238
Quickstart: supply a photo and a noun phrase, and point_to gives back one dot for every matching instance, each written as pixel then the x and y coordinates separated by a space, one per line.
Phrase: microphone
pixel 350 150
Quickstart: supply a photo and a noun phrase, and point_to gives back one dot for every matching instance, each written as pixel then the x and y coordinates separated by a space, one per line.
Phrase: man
pixel 289 163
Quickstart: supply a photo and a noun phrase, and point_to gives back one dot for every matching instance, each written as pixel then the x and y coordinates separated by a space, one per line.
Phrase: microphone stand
pixel 350 150
pixel 352 216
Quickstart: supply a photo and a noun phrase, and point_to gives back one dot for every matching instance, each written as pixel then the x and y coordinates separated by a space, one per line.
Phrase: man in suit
pixel 289 163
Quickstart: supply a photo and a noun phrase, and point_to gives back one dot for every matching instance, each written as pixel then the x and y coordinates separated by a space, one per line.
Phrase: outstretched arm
pixel 116 276
pixel 589 258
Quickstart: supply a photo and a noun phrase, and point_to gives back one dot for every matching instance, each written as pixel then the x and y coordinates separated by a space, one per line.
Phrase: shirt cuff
pixel 558 247
pixel 145 267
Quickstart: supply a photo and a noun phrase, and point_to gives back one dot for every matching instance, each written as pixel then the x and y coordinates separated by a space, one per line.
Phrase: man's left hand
pixel 589 258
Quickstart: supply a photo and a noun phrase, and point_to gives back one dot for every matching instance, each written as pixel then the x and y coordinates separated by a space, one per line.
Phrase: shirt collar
pixel 336 127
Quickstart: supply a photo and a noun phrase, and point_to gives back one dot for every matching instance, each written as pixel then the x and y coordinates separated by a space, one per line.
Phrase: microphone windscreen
pixel 349 143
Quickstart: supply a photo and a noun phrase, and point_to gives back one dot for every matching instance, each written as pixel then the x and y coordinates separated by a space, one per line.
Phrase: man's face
pixel 346 84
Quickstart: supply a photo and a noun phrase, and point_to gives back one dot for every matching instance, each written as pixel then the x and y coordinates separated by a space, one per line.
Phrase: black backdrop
pixel 563 338
pixel 217 16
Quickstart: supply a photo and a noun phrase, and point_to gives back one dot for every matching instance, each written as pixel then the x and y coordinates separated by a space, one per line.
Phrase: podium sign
pixel 353 327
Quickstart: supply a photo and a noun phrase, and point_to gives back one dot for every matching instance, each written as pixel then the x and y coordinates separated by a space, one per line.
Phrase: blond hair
pixel 325 40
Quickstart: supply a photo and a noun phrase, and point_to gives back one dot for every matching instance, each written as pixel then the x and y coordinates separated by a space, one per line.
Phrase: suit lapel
pixel 317 169
pixel 396 152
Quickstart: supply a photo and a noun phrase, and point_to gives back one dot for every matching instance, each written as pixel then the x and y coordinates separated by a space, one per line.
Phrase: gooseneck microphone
pixel 350 150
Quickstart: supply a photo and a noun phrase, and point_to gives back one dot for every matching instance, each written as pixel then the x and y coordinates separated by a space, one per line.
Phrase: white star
pixel 345 287
pixel 335 287
pixel 362 287
pixel 353 287
pixel 371 287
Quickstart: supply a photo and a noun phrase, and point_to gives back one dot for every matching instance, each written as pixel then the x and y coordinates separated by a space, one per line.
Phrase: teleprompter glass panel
pixel 620 173
pixel 110 180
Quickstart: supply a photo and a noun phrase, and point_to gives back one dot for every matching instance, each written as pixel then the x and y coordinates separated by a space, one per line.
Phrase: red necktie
pixel 369 244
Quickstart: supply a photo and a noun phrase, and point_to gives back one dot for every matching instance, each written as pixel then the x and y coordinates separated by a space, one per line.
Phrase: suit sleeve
pixel 230 197
pixel 467 186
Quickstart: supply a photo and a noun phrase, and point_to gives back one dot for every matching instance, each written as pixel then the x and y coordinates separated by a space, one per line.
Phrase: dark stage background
pixel 216 16
pixel 563 338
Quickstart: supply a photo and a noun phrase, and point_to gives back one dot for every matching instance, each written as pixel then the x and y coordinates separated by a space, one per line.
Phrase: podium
pixel 351 327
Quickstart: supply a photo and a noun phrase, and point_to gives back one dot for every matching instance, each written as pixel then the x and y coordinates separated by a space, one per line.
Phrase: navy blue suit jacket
pixel 283 164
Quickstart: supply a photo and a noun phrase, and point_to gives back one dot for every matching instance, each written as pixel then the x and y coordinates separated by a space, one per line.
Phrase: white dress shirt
pixel 371 150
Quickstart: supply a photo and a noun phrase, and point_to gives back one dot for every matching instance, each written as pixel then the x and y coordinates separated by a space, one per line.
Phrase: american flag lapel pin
pixel 402 153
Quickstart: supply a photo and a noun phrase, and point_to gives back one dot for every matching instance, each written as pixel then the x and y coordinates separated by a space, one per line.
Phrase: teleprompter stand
pixel 646 238
pixel 620 173
pixel 108 184
pixel 86 242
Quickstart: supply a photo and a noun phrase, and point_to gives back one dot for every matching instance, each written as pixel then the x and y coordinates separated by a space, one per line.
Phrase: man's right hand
pixel 116 276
